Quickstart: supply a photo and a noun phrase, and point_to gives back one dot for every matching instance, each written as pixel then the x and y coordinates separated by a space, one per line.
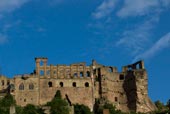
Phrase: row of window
pixel 81 74
pixel 31 86
pixel 3 82
pixel 50 84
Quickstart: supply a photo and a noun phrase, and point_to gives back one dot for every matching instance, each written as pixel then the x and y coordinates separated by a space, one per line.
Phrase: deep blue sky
pixel 113 32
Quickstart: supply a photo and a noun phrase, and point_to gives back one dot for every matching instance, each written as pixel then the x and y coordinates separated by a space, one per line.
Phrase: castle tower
pixel 41 64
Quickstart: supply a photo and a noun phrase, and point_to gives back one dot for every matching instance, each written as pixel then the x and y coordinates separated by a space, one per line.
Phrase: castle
pixel 78 83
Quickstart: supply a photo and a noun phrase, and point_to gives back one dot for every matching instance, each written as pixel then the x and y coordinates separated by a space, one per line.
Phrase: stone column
pixel 45 65
pixel 51 71
pixel 142 66
pixel 84 70
pixel 37 66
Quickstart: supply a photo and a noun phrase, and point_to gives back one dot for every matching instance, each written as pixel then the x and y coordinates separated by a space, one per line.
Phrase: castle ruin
pixel 78 83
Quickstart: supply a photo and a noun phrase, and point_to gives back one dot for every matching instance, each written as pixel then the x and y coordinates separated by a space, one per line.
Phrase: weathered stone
pixel 127 90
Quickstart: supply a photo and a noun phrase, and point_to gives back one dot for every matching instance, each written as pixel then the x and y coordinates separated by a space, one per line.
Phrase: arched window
pixel 50 84
pixel 31 86
pixel 74 84
pixel 61 84
pixel 21 86
pixel 110 69
pixel 86 84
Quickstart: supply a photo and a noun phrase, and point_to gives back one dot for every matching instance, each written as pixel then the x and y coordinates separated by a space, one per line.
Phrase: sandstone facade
pixel 78 83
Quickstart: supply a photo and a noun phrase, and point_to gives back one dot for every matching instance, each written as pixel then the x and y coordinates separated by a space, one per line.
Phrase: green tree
pixel 7 101
pixel 19 109
pixel 30 109
pixel 58 105
pixel 112 109
pixel 161 107
pixel 81 109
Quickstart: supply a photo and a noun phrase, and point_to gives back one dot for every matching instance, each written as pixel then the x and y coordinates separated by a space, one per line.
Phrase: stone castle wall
pixel 82 84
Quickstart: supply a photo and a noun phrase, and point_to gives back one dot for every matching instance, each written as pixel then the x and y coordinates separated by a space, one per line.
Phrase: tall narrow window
pixel 116 99
pixel 31 86
pixel 74 84
pixel 50 84
pixel 75 74
pixel 8 82
pixel 81 74
pixel 3 83
pixel 88 73
pixel 21 86
pixel 61 84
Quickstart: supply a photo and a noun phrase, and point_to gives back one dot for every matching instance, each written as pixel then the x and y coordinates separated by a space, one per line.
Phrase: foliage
pixel 58 95
pixel 161 107
pixel 58 105
pixel 81 109
pixel 19 109
pixel 168 104
pixel 112 109
pixel 5 104
pixel 31 109
pixel 7 101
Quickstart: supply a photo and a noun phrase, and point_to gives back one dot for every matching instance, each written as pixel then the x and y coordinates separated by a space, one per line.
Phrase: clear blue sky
pixel 114 32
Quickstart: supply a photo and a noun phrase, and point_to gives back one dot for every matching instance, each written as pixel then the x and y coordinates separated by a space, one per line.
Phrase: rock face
pixel 78 83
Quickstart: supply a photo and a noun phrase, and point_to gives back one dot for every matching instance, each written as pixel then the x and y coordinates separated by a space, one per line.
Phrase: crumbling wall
pixel 127 90
pixel 26 90
pixel 136 88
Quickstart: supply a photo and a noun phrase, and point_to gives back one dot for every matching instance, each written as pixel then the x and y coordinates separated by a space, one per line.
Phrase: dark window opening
pixel 61 84
pixel 94 71
pixel 50 84
pixel 75 75
pixel 74 84
pixel 3 83
pixel 41 73
pixel 86 84
pixel 25 100
pixel 121 77
pixel 88 73
pixel 31 86
pixel 81 74
pixel 21 86
pixel 116 99
pixel 8 82
pixel 110 69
